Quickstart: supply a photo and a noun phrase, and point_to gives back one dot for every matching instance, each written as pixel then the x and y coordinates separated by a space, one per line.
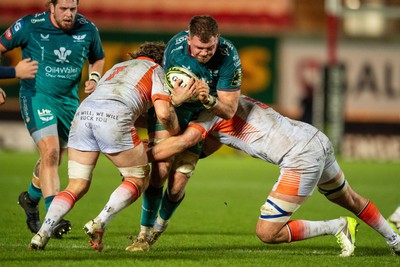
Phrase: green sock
pixel 34 193
pixel 47 202
pixel 168 207
pixel 150 205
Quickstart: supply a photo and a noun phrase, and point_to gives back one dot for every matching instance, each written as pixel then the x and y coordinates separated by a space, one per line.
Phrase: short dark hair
pixel 55 2
pixel 153 50
pixel 204 27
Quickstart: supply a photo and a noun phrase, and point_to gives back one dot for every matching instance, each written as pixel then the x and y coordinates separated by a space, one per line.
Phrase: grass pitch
pixel 214 226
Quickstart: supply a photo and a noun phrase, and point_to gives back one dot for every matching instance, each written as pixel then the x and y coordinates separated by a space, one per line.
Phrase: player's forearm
pixel 166 149
pixel 224 111
pixel 97 66
pixel 170 121
pixel 225 105
pixel 166 115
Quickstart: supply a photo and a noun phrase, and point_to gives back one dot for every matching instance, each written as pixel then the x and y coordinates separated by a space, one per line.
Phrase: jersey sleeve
pixel 96 48
pixel 158 91
pixel 174 51
pixel 205 123
pixel 231 69
pixel 16 35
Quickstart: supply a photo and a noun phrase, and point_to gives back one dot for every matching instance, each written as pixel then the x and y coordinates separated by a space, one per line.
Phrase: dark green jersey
pixel 61 55
pixel 222 72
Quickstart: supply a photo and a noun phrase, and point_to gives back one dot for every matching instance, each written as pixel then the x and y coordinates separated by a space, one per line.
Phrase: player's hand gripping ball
pixel 179 73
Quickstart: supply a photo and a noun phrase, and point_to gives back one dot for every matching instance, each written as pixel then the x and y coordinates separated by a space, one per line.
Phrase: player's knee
pixel 36 169
pixel 335 189
pixel 175 194
pixel 79 187
pixel 264 236
pixel 274 212
pixel 267 235
pixel 50 157
pixel 185 163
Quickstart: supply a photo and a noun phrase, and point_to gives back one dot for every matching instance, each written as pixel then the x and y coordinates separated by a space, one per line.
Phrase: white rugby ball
pixel 176 73
pixel 179 73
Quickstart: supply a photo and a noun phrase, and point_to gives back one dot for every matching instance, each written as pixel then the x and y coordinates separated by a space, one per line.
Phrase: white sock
pixel 59 207
pixel 319 228
pixel 121 198
pixel 161 224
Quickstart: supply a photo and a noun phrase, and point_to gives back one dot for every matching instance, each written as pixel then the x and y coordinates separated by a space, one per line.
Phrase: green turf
pixel 215 225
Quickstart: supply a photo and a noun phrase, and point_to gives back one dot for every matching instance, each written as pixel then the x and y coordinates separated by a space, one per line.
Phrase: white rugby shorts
pixel 102 125
pixel 307 165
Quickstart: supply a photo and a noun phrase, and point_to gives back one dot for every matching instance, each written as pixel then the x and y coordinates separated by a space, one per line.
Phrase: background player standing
pixel 61 40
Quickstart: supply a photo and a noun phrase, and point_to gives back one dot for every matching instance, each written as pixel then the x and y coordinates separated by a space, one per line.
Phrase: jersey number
pixel 115 72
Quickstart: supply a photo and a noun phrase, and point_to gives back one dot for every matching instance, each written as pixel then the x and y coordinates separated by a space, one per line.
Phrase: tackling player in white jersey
pixel 103 123
pixel 306 159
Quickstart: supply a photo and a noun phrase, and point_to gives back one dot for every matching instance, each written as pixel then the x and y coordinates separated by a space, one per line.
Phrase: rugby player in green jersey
pixel 61 40
pixel 216 63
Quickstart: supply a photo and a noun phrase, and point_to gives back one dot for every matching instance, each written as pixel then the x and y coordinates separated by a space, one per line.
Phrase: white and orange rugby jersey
pixel 257 130
pixel 137 83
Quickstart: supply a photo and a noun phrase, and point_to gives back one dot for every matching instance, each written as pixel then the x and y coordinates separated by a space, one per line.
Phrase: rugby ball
pixel 176 73
pixel 179 73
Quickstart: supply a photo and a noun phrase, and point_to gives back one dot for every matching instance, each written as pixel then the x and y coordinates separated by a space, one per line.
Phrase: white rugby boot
pixel 346 238
pixel 95 231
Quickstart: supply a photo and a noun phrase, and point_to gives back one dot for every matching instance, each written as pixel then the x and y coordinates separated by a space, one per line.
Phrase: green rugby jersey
pixel 222 72
pixel 61 54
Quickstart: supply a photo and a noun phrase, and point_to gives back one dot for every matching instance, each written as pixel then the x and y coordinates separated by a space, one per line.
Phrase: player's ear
pixel 51 6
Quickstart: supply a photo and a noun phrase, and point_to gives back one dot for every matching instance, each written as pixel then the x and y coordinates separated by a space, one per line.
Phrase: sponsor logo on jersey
pixel 236 61
pixel 62 54
pixel 82 20
pixel 237 78
pixel 18 25
pixel 8 34
pixel 224 51
pixel 40 14
pixel 79 38
pixel 180 40
pixel 177 49
pixel 45 115
pixel 33 21
pixel 67 72
pixel 44 37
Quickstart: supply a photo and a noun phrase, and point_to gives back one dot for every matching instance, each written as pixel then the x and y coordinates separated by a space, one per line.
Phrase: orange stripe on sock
pixel 370 215
pixel 289 183
pixel 296 230
pixel 131 185
pixel 67 196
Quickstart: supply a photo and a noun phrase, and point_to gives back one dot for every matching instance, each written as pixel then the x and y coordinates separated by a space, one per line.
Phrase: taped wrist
pixel 94 76
pixel 212 101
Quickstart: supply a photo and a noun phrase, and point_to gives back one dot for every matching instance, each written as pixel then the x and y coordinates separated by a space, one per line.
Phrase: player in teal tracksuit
pixel 61 40
pixel 215 61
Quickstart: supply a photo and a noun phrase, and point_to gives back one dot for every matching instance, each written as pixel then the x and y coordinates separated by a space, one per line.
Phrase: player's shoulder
pixel 178 40
pixel 226 44
pixel 83 22
pixel 26 21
